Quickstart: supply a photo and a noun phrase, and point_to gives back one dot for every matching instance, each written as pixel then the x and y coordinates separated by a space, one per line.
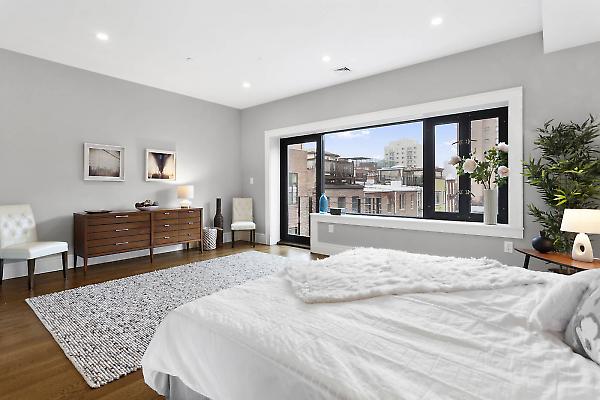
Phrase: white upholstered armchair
pixel 243 219
pixel 18 240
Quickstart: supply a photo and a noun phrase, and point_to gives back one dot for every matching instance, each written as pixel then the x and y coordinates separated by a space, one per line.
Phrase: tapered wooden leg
pixel 151 255
pixel 85 263
pixel 65 262
pixel 1 270
pixel 30 272
pixel 254 238
pixel 187 246
pixel 232 238
pixel 74 262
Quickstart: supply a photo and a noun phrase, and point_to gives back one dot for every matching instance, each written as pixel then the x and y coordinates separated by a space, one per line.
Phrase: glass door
pixel 300 161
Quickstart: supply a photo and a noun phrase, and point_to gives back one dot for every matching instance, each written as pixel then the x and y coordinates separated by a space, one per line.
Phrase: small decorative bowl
pixel 148 208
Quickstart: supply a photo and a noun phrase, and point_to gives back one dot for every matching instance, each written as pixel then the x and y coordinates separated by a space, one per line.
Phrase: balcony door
pixel 300 161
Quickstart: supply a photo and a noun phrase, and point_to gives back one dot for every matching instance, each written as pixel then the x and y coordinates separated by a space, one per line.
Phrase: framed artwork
pixel 161 165
pixel 103 162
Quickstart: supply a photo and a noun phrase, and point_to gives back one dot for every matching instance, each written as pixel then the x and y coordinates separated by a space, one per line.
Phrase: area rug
pixel 105 328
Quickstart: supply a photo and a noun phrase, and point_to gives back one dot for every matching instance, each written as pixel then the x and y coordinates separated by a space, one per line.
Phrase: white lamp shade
pixel 581 221
pixel 185 192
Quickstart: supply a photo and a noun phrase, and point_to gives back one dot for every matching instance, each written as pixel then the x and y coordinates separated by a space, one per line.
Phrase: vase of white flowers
pixel 491 172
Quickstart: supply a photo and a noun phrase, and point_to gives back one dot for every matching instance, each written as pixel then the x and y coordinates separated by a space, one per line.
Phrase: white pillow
pixel 555 311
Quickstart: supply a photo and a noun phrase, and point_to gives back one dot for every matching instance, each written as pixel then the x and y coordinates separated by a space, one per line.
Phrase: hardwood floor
pixel 32 365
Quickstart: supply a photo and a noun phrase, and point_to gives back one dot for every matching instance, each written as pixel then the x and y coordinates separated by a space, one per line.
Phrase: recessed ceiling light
pixel 102 36
pixel 326 58
pixel 246 85
pixel 435 21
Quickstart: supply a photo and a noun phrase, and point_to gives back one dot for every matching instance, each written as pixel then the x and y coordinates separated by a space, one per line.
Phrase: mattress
pixel 258 341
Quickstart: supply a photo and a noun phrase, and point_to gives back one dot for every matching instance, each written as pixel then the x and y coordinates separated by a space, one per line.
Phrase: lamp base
pixel 582 248
pixel 185 203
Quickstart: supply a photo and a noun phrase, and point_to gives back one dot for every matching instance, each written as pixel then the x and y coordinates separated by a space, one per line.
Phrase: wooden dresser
pixel 118 232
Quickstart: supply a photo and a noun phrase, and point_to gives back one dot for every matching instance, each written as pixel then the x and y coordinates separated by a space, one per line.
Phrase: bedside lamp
pixel 185 194
pixel 581 221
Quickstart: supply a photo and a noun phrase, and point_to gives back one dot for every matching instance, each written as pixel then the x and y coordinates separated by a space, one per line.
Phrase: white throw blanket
pixel 363 273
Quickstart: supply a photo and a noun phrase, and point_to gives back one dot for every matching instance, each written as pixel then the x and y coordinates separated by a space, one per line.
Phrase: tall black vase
pixel 218 222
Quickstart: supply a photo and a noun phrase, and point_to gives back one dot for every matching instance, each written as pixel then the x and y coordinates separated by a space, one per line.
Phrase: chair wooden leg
pixel 74 262
pixel 65 262
pixel 253 237
pixel 30 272
pixel 232 238
pixel 1 270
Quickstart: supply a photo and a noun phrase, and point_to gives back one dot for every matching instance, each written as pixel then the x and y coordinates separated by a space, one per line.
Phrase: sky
pixel 372 141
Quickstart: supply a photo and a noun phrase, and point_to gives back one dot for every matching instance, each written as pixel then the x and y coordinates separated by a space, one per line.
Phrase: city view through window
pixel 380 171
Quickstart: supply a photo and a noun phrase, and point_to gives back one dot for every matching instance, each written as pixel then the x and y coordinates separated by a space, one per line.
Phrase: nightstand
pixel 566 265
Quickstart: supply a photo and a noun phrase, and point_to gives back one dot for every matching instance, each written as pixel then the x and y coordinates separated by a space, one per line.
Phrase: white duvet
pixel 362 273
pixel 259 341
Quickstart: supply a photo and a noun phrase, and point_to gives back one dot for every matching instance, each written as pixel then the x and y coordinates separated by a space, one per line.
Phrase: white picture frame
pixel 102 162
pixel 161 165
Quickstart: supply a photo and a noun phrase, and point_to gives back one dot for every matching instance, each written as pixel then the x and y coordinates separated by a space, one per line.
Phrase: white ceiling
pixel 275 45
pixel 569 23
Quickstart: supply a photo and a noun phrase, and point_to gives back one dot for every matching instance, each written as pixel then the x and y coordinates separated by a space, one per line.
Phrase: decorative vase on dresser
pixel 218 223
pixel 490 206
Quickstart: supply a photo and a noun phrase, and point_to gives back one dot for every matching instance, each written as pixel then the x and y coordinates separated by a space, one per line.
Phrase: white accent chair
pixel 18 240
pixel 243 219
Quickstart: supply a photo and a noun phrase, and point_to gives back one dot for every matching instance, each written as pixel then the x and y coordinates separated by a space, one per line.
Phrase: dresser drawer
pixel 118 227
pixel 118 218
pixel 122 240
pixel 118 231
pixel 117 247
pixel 165 214
pixel 165 225
pixel 166 238
pixel 193 213
pixel 190 234
pixel 189 223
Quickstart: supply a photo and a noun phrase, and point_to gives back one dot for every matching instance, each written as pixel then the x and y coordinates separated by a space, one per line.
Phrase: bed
pixel 260 341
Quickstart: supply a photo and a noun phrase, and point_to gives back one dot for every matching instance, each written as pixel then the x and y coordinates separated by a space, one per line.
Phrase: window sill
pixel 429 225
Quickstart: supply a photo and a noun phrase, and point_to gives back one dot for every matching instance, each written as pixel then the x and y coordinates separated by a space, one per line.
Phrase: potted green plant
pixel 566 175
pixel 491 172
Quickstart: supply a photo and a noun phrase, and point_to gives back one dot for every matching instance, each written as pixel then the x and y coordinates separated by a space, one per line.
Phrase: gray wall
pixel 47 112
pixel 564 85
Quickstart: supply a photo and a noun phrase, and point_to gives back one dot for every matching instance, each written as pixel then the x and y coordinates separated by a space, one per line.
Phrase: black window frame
pixel 428 198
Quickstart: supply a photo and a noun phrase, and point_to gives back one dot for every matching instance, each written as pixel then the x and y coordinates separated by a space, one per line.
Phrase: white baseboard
pixel 54 263
pixel 327 249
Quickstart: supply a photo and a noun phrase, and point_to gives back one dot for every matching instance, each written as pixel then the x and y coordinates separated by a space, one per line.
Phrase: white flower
pixel 502 147
pixel 454 160
pixel 503 171
pixel 469 165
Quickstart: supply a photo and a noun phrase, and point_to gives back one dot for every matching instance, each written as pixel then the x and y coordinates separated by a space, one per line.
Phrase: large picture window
pixel 403 169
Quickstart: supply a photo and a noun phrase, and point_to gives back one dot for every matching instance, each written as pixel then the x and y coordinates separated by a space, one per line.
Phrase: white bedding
pixel 362 273
pixel 259 341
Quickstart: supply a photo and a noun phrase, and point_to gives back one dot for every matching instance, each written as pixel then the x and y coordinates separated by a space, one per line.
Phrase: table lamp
pixel 582 222
pixel 185 194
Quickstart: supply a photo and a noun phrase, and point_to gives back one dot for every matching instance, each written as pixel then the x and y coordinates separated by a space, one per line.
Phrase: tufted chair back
pixel 17 225
pixel 242 209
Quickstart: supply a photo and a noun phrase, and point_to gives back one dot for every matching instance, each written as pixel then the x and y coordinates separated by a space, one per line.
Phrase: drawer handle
pixel 121 216
pixel 191 212
pixel 166 225
pixel 190 223
pixel 122 230
pixel 167 213
pixel 121 243
pixel 166 237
